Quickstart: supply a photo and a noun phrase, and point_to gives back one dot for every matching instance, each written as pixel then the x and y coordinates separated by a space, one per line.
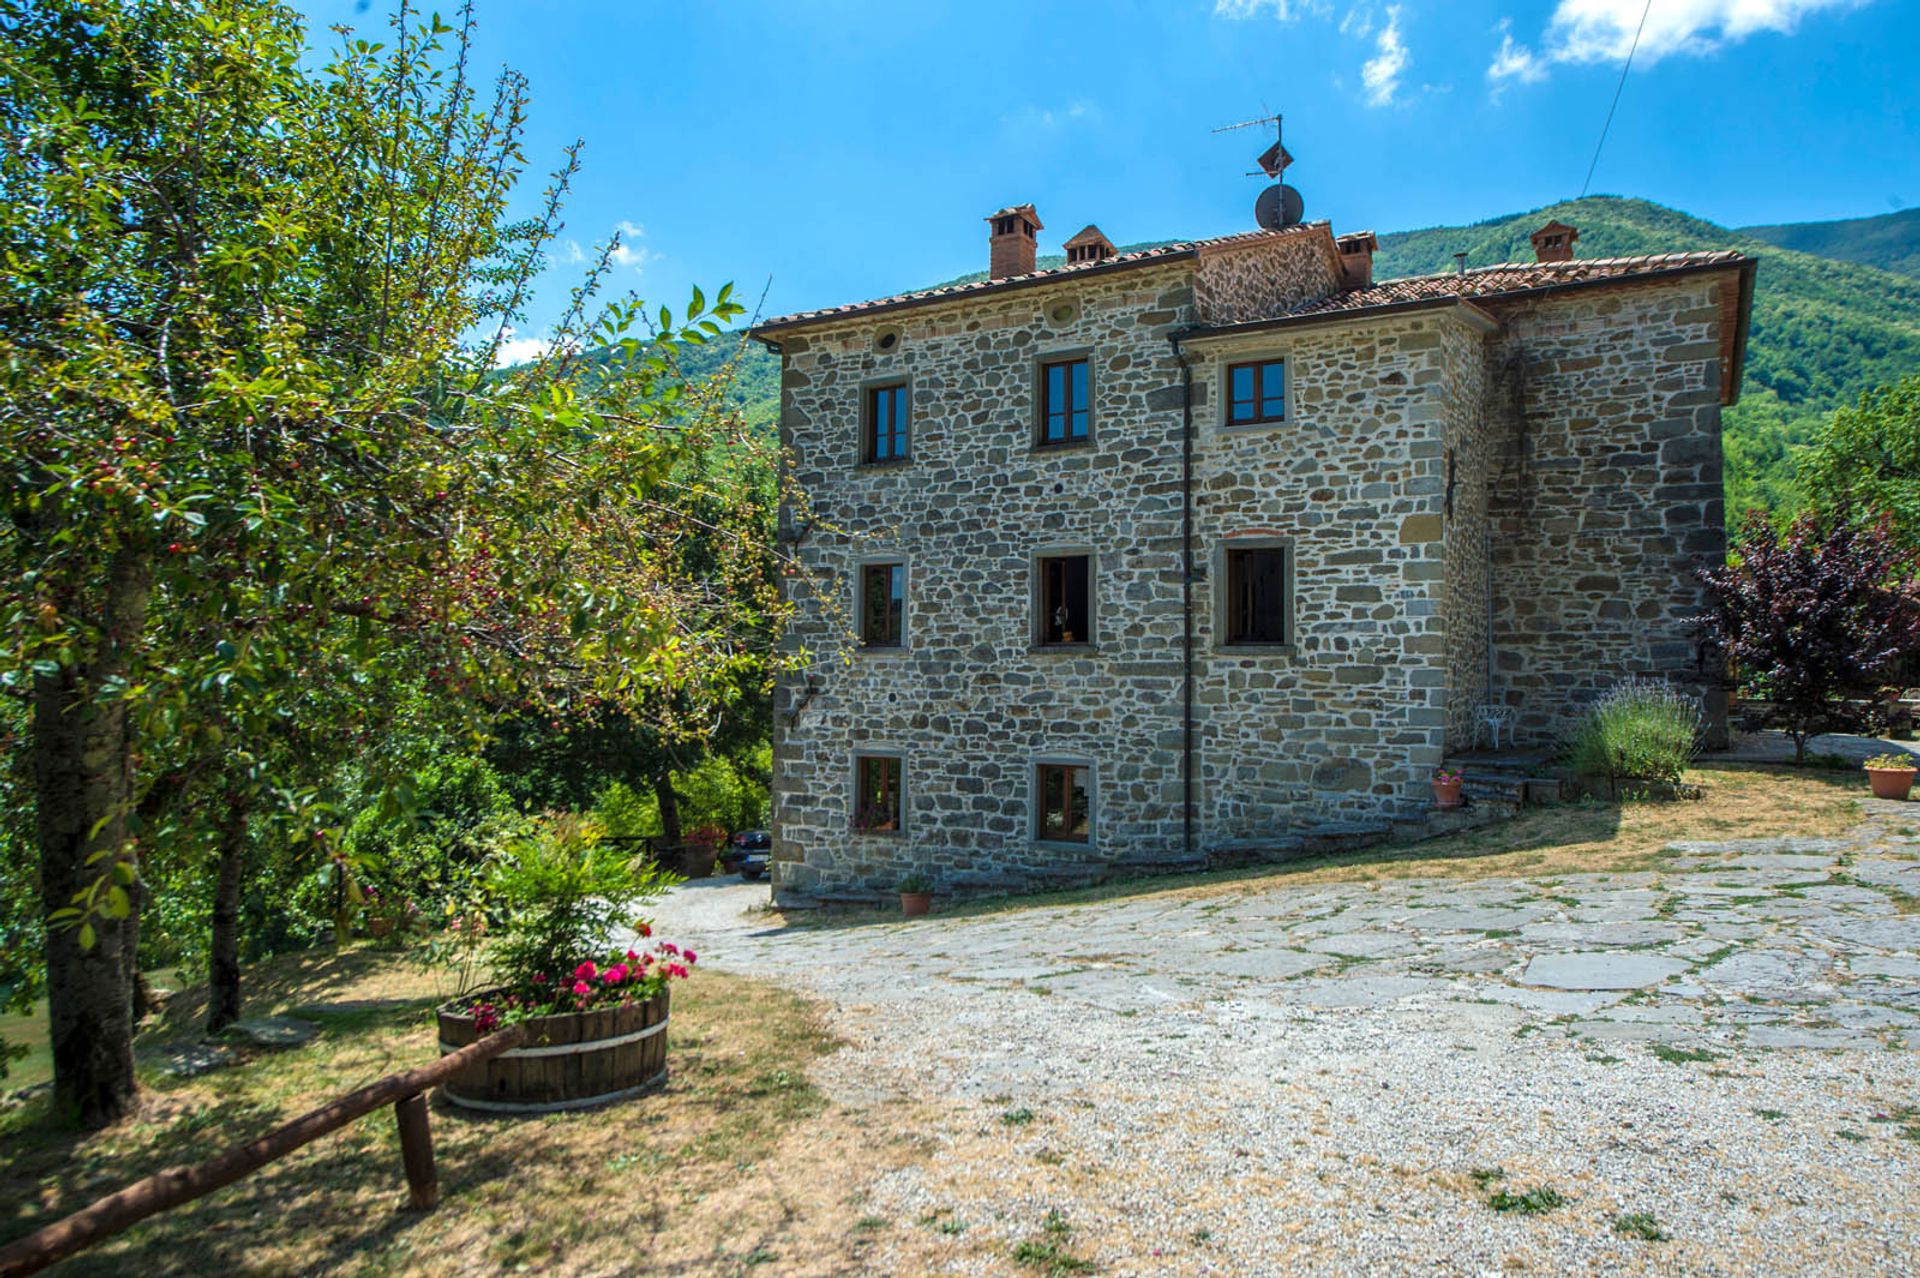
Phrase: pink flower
pixel 674 969
pixel 631 956
pixel 615 974
pixel 585 972
pixel 539 978
pixel 581 987
pixel 689 956
pixel 668 947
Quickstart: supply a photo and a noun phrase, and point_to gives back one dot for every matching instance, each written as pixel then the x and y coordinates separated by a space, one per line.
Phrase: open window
pixel 1257 595
pixel 1065 600
pixel 1064 813
pixel 883 605
pixel 877 807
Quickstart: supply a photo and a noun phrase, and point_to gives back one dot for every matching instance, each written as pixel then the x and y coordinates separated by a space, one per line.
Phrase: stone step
pixel 1269 850
pixel 854 897
pixel 1140 867
pixel 1342 836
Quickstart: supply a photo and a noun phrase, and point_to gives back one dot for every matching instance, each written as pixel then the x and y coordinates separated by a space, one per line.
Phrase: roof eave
pixel 1462 308
pixel 1056 275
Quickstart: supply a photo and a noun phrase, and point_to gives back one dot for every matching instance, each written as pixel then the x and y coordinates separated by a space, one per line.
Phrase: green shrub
pixel 560 893
pixel 625 814
pixel 1642 730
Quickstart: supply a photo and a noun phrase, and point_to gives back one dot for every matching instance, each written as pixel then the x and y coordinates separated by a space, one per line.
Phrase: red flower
pixel 689 956
pixel 582 988
pixel 539 978
pixel 585 972
pixel 645 930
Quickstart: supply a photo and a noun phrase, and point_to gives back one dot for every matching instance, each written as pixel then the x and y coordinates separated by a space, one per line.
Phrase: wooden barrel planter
pixel 569 1061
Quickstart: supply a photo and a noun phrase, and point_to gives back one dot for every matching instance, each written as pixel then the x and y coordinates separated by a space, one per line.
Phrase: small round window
pixel 1063 312
pixel 886 340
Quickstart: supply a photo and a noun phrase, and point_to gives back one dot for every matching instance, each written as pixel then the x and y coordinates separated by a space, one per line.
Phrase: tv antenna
pixel 1279 205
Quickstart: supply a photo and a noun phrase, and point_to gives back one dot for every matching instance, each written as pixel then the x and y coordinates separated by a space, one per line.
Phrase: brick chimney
pixel 1554 242
pixel 1089 246
pixel 1012 246
pixel 1356 259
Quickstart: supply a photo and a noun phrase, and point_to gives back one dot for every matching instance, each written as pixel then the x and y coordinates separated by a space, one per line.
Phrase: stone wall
pixel 1609 496
pixel 971 702
pixel 1352 720
pixel 1467 461
pixel 1583 440
pixel 1265 275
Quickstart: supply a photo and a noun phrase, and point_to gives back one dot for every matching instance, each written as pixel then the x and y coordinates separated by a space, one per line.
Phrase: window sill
pixel 1063 446
pixel 1063 845
pixel 1257 649
pixel 884 650
pixel 878 834
pixel 1064 649
pixel 890 463
pixel 1271 423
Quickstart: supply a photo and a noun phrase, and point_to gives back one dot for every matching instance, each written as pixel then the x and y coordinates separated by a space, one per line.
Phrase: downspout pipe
pixel 1186 595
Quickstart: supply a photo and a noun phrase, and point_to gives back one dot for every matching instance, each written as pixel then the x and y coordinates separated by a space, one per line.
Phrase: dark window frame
pixel 1240 626
pixel 885 812
pixel 899 435
pixel 1045 604
pixel 1260 397
pixel 1067 360
pixel 896 615
pixel 1050 776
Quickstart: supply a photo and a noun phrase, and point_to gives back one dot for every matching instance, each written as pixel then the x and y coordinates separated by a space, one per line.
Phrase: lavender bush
pixel 1641 730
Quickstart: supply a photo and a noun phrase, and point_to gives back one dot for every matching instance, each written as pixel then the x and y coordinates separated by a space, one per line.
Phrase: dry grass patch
pixel 717 1168
pixel 1743 801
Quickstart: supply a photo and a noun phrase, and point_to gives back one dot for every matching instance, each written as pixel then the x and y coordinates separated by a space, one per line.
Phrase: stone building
pixel 1116 564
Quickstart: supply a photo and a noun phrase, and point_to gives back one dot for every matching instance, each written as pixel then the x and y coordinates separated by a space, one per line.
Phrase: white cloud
pixel 1585 31
pixel 1382 72
pixel 515 349
pixel 1357 22
pixel 1514 62
pixel 575 254
pixel 1038 117
pixel 1280 10
pixel 629 251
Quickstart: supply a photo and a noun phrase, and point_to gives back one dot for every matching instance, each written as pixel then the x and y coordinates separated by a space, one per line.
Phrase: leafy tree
pixel 1817 615
pixel 1867 458
pixel 256 444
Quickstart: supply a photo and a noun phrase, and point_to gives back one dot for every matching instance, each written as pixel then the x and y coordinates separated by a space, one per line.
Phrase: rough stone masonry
pixel 1489 487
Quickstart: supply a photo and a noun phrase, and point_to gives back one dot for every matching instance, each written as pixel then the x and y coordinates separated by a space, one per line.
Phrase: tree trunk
pixel 223 963
pixel 669 811
pixel 83 788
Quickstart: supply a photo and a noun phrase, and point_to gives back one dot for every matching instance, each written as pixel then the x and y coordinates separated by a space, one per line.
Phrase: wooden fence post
pixel 416 1151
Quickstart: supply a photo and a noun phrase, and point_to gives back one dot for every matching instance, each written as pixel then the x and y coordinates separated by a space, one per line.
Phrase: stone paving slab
pixel 1602 971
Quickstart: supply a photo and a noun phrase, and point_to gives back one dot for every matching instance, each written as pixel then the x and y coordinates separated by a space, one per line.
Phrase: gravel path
pixel 1333 1079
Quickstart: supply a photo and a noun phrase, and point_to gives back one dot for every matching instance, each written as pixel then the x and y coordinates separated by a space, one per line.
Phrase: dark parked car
pixel 749 851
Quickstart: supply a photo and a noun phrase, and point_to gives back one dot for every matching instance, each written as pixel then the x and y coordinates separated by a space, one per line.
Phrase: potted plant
pixel 703 848
pixel 595 1008
pixel 916 894
pixel 1446 788
pixel 1892 775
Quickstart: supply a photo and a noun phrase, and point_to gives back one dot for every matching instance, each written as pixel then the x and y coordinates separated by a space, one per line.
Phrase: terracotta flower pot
pixel 1446 794
pixel 1891 783
pixel 914 904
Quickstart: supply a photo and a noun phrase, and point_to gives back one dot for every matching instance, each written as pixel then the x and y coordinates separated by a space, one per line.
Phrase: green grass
pixel 1048 1253
pixel 1641 1225
pixel 1681 1055
pixel 1537 1201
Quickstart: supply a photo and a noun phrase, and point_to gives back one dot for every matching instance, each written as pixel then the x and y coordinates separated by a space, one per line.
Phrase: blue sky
pixel 840 149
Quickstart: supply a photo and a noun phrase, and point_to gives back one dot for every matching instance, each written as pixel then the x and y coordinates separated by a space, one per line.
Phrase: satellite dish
pixel 1279 205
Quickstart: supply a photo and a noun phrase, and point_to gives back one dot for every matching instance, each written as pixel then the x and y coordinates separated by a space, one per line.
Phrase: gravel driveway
pixel 1335 1078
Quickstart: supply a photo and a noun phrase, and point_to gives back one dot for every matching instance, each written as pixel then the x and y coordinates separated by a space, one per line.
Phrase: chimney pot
pixel 1554 242
pixel 1012 241
pixel 1090 245
pixel 1356 259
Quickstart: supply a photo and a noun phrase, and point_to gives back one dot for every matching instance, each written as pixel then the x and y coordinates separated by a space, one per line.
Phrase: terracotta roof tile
pixel 1508 278
pixel 1164 252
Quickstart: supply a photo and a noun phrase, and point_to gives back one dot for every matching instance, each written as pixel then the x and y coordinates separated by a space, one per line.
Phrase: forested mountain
pixel 1825 328
pixel 1890 241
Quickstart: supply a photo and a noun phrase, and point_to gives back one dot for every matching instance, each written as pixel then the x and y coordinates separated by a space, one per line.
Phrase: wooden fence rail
pixel 169 1189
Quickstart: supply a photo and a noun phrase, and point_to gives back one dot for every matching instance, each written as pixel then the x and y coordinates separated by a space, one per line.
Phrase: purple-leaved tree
pixel 1817 615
